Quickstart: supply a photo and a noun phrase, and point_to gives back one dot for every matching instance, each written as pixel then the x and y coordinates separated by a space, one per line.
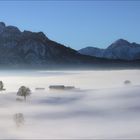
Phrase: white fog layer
pixel 100 106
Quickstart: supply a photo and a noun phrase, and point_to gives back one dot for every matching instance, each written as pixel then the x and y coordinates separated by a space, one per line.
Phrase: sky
pixel 76 24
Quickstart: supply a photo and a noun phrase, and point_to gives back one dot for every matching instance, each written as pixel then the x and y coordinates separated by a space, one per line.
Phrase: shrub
pixel 127 82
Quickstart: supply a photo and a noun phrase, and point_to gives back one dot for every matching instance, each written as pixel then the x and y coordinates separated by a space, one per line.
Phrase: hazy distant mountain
pixel 120 49
pixel 92 51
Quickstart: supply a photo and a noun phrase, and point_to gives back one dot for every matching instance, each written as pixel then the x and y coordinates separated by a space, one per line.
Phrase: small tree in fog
pixel 1 85
pixel 127 82
pixel 19 119
pixel 24 91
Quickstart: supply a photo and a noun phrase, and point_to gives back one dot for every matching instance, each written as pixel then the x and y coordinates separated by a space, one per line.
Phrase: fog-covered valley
pixel 100 105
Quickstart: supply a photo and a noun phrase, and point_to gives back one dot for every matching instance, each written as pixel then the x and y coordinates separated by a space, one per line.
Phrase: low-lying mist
pixel 102 104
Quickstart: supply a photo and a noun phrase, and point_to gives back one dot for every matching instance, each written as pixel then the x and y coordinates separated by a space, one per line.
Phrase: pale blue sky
pixel 76 23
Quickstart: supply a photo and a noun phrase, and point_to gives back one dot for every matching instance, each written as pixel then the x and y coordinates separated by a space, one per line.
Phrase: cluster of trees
pixel 22 91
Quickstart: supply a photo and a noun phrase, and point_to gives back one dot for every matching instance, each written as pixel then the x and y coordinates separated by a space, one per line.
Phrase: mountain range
pixel 120 49
pixel 35 49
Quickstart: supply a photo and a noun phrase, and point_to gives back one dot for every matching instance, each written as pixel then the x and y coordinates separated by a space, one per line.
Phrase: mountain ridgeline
pixel 120 49
pixel 30 48
pixel 35 49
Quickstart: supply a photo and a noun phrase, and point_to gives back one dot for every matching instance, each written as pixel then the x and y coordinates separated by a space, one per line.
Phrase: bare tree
pixel 24 91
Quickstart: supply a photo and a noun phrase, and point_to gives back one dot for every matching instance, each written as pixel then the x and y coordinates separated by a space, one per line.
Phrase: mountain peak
pixel 12 29
pixel 119 43
pixel 2 24
pixel 120 49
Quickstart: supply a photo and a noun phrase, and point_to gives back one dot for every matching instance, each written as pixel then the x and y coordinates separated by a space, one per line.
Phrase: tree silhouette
pixel 1 85
pixel 19 119
pixel 24 91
